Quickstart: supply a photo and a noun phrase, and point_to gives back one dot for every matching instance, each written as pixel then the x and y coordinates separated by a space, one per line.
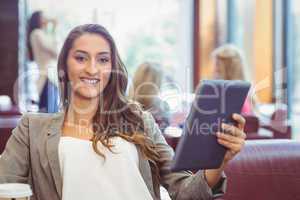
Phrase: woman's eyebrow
pixel 85 52
pixel 104 53
pixel 81 51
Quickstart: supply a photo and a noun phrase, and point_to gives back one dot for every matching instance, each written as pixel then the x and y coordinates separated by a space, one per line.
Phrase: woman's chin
pixel 88 94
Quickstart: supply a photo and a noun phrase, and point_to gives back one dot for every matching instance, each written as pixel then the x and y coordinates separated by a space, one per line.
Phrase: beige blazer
pixel 31 156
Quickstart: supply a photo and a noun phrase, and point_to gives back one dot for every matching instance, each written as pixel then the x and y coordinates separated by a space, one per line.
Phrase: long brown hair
pixel 116 115
pixel 35 22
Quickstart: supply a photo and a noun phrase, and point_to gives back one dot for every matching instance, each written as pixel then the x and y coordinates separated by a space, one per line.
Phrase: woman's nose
pixel 92 68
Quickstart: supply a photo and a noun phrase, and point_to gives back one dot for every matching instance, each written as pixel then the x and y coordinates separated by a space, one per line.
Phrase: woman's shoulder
pixel 35 116
pixel 147 118
pixel 40 119
pixel 33 126
pixel 150 125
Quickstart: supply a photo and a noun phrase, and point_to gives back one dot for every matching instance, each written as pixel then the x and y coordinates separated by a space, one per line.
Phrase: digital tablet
pixel 215 102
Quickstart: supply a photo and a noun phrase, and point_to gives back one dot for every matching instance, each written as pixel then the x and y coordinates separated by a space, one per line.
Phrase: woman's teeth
pixel 90 81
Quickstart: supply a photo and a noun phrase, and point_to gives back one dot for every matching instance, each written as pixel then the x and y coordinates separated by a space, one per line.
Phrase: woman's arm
pixel 14 161
pixel 180 185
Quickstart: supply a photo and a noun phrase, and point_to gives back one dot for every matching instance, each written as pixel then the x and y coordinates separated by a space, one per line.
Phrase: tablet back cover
pixel 214 103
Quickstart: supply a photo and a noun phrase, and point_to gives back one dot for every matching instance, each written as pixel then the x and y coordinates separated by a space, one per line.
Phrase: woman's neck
pixel 81 111
pixel 79 118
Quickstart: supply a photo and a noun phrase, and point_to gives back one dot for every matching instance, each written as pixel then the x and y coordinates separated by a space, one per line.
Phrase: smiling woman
pixel 101 139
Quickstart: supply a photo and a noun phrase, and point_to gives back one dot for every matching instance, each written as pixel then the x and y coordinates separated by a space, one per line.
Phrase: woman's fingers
pixel 232 147
pixel 240 120
pixel 234 131
pixel 232 137
pixel 229 138
pixel 234 143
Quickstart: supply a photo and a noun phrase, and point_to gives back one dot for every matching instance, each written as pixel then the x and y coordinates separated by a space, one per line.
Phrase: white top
pixel 86 175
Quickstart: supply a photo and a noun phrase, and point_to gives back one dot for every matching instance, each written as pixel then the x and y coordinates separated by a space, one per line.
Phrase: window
pixel 159 31
pixel 239 16
pixel 293 62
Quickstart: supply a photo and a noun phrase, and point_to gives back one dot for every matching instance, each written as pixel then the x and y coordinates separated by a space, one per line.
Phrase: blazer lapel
pixel 53 137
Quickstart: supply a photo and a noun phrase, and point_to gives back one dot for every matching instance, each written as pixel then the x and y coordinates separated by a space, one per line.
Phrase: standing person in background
pixel 42 49
pixel 229 64
pixel 145 89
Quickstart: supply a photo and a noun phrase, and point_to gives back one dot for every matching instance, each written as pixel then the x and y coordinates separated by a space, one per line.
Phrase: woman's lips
pixel 90 81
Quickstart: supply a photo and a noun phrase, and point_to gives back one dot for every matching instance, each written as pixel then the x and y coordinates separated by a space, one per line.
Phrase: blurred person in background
pixel 42 49
pixel 145 89
pixel 229 64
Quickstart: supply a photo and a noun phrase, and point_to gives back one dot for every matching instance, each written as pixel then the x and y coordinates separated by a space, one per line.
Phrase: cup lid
pixel 15 190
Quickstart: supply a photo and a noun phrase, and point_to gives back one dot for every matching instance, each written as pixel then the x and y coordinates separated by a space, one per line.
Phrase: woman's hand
pixel 232 137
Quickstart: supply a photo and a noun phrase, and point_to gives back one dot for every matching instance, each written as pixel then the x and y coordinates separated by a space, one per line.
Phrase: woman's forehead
pixel 92 43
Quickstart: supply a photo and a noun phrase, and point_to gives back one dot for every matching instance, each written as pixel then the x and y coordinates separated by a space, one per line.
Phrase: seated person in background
pixel 229 64
pixel 102 146
pixel 145 89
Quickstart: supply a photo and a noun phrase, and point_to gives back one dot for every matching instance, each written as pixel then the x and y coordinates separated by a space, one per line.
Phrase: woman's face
pixel 218 70
pixel 89 65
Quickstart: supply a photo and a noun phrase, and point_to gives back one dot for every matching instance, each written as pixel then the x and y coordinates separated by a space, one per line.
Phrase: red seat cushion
pixel 265 170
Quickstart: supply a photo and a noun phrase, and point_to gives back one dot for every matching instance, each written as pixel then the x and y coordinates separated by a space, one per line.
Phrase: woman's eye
pixel 80 58
pixel 103 60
